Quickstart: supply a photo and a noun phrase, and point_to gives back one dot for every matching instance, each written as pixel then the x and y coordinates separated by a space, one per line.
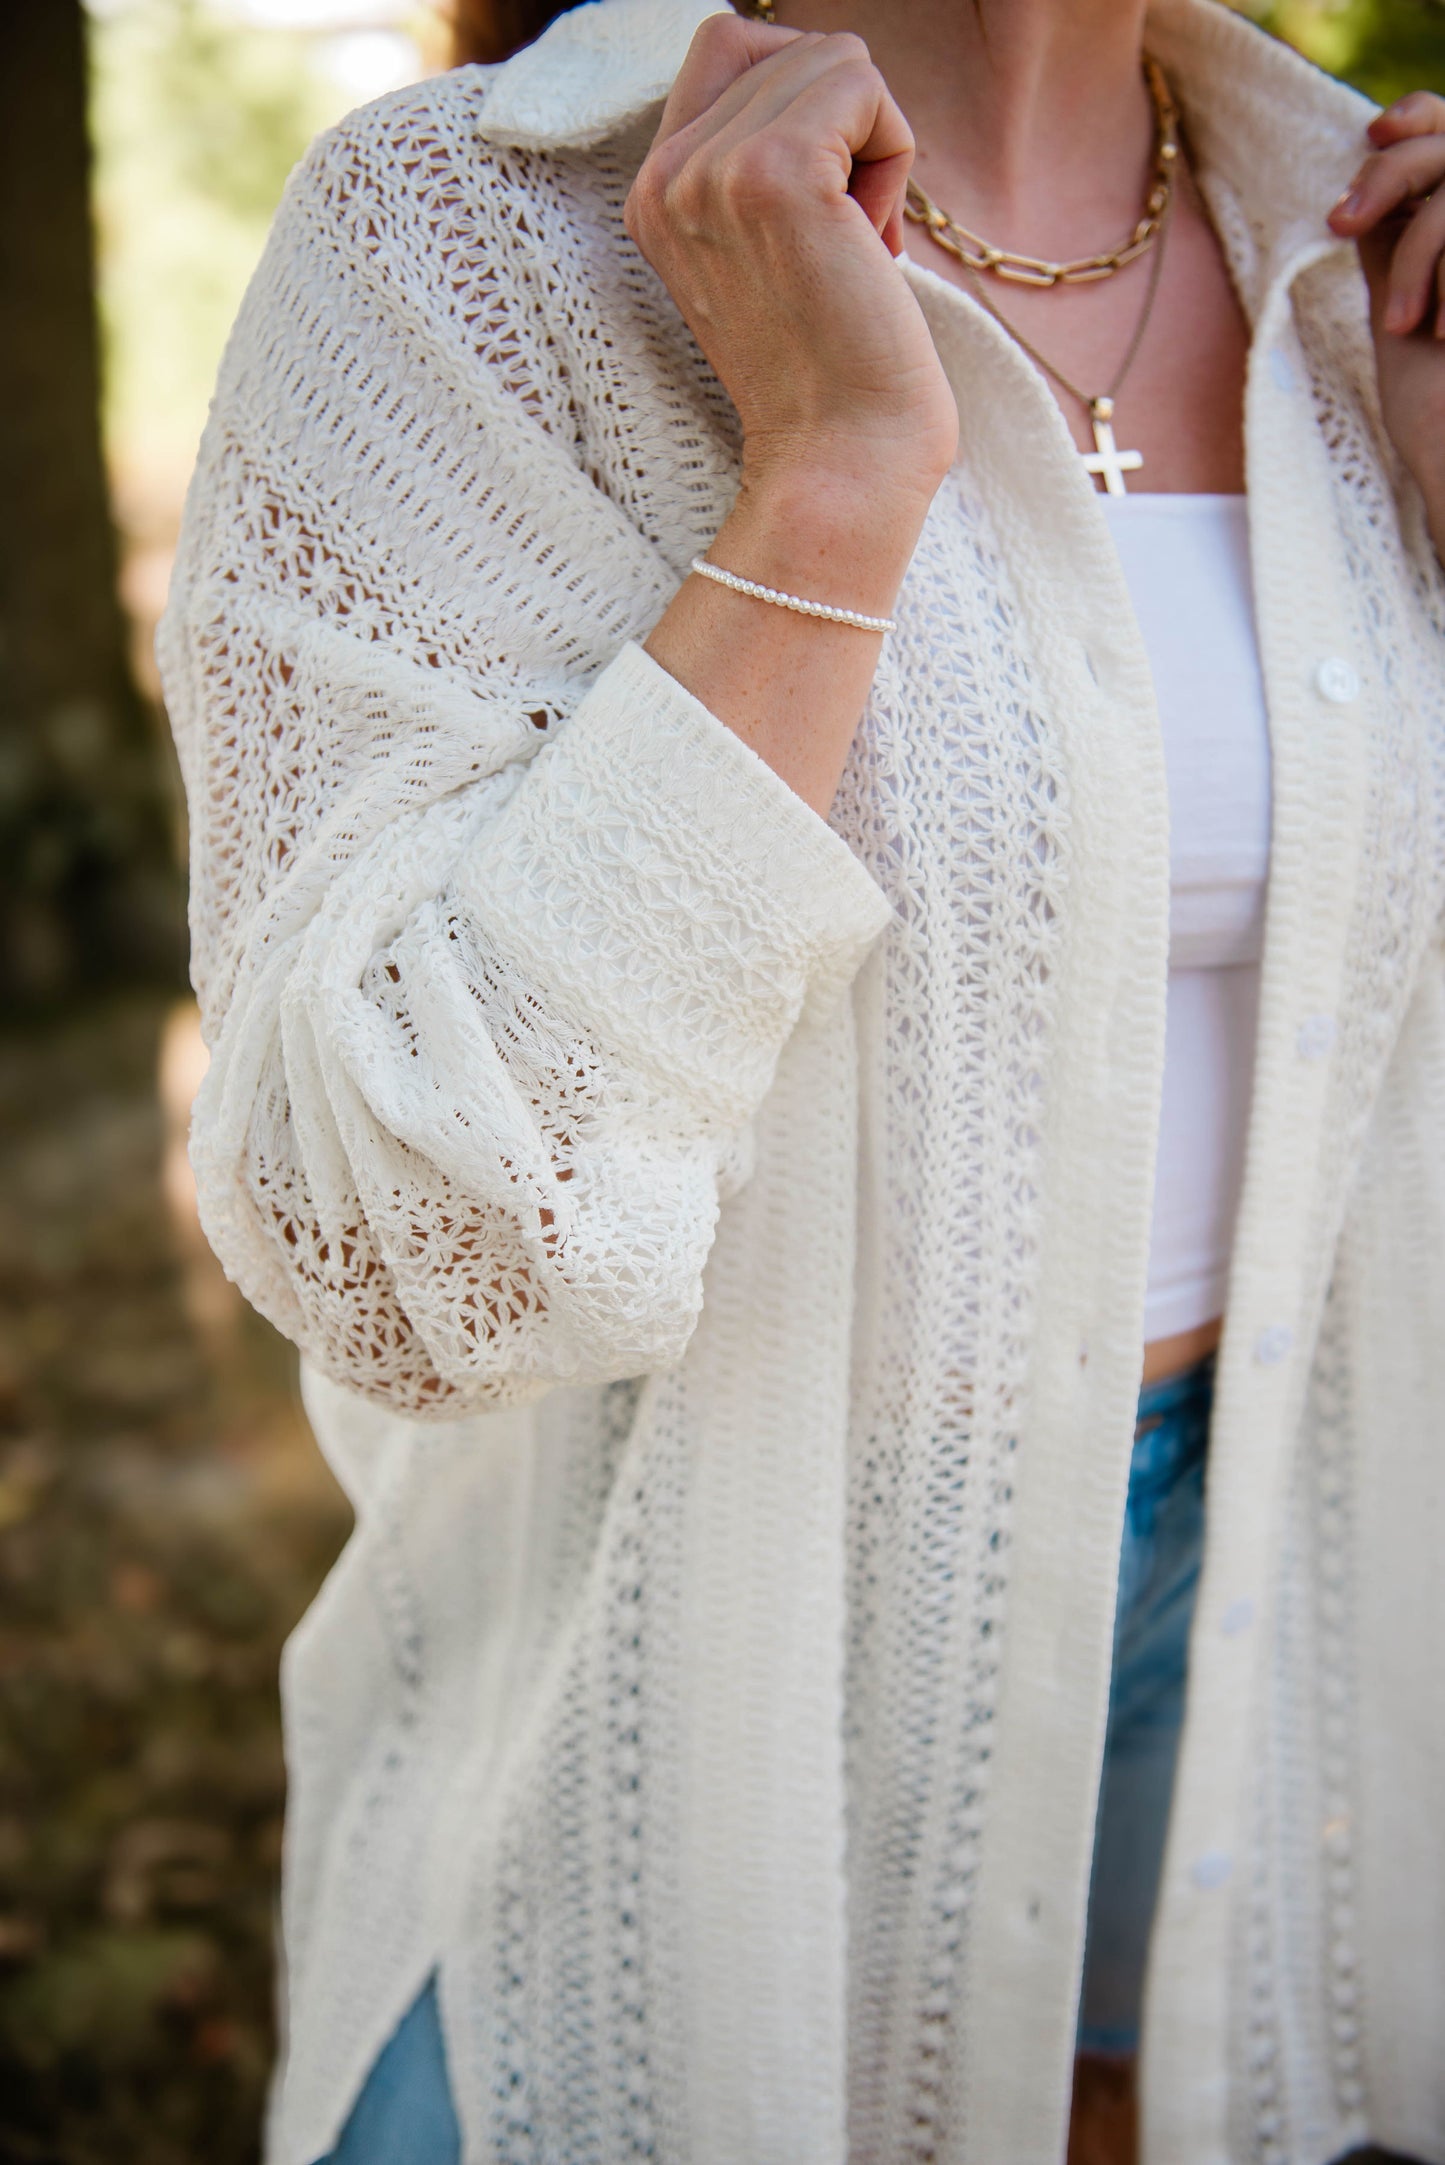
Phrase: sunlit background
pixel 199 112
pixel 163 1514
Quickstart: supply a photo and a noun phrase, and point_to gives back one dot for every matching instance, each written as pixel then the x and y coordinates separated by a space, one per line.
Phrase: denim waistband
pixel 1172 1392
pixel 1171 1436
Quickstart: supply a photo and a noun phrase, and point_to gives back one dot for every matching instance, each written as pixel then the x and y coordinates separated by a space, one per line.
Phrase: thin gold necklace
pixel 1106 462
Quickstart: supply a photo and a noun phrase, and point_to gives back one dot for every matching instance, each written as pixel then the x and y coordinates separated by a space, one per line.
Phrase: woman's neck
pixel 1032 118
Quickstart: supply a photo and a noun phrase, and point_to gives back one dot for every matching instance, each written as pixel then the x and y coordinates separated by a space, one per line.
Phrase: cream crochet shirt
pixel 717 1238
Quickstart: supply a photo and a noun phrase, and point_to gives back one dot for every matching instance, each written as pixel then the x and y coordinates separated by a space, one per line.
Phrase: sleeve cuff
pixel 669 889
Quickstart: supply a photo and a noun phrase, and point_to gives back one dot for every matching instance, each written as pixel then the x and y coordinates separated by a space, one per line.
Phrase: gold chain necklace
pixel 977 254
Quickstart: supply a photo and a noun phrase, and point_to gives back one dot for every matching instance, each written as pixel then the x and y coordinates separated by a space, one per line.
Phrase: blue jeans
pixel 1158 1575
pixel 404 2115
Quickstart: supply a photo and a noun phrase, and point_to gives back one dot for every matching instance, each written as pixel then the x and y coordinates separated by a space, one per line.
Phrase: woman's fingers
pixel 1420 112
pixel 828 96
pixel 1413 291
pixel 1393 210
pixel 878 186
pixel 818 106
pixel 849 113
pixel 723 50
pixel 766 94
pixel 1391 178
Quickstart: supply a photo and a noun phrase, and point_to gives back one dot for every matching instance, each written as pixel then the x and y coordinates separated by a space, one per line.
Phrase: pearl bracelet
pixel 795 602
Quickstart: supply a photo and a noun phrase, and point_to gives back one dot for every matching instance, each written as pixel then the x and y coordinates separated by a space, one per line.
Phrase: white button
pixel 1237 1617
pixel 1315 1037
pixel 1212 1869
pixel 1272 1345
pixel 1281 371
pixel 1336 681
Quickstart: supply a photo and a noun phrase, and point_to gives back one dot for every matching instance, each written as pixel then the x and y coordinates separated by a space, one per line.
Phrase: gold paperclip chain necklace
pixel 977 254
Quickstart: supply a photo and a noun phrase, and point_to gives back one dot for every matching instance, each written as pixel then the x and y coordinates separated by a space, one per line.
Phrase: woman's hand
pixel 771 205
pixel 1395 210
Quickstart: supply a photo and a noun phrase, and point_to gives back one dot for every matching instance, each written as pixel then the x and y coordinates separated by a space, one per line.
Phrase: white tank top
pixel 1186 560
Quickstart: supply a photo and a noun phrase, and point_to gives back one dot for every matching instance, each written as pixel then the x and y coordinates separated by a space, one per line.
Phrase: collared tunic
pixel 717 1237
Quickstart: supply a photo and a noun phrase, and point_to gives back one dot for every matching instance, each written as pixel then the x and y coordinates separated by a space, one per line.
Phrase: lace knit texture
pixel 717 1238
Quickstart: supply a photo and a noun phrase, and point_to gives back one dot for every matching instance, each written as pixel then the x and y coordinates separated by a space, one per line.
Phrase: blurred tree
pixel 88 888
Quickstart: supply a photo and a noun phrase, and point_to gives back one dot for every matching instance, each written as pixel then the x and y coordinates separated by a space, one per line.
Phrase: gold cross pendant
pixel 1106 459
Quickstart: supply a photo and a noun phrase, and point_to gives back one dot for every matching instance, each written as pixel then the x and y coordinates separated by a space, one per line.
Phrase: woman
pixel 691 1073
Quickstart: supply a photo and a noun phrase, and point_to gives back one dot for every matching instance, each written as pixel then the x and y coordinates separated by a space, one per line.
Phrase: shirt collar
pixel 591 72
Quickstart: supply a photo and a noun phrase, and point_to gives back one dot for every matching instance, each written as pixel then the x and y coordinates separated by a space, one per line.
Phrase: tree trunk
pixel 88 888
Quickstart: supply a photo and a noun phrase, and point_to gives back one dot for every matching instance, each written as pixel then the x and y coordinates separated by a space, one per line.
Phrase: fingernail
pixel 1348 204
pixel 1397 313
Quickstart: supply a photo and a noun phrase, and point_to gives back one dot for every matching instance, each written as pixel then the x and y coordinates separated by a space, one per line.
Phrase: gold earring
pixel 762 11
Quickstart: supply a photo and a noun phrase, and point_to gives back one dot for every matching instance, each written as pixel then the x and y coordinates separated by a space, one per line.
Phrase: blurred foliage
pixel 1383 47
pixel 197 119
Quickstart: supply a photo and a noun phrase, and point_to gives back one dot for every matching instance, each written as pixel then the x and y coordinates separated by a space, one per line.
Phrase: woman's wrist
pixel 793 687
pixel 846 538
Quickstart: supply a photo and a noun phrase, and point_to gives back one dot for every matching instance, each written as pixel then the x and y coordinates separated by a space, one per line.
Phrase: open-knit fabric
pixel 717 1237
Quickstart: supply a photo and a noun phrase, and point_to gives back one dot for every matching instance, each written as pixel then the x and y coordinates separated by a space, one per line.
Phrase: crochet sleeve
pixel 497 932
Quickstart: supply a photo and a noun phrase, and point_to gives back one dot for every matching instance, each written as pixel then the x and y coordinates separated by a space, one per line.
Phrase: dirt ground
pixel 164 1518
